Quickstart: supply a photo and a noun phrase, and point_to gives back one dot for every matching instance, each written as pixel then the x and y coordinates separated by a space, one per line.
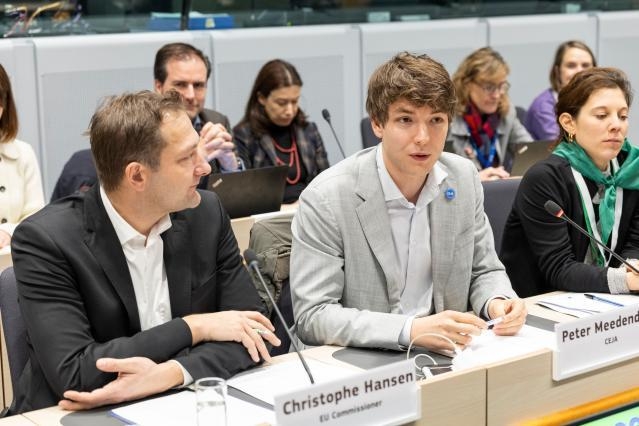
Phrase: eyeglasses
pixel 490 88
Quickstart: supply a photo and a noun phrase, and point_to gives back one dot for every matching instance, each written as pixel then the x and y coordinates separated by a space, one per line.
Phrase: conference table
pixel 517 390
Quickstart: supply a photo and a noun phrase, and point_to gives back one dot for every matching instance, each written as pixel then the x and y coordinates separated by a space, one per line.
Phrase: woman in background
pixel 570 58
pixel 274 130
pixel 592 175
pixel 20 182
pixel 485 124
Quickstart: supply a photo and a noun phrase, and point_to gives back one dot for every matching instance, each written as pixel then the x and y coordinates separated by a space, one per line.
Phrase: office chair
pixel 521 114
pixel 15 332
pixel 368 137
pixel 499 196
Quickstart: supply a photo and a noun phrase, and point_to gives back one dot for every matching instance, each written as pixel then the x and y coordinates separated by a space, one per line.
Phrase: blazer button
pixel 2 188
pixel 4 220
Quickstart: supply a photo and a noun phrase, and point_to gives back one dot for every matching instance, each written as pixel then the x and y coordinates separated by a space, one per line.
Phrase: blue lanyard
pixel 481 156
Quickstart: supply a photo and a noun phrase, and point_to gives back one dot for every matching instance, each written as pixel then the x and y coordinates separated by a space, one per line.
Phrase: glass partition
pixel 45 18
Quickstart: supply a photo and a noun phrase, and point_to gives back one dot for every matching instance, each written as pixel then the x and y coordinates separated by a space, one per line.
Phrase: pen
pixel 601 299
pixel 494 321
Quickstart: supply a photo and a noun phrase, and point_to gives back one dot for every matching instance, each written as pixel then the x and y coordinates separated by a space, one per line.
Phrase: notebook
pixel 250 191
pixel 527 154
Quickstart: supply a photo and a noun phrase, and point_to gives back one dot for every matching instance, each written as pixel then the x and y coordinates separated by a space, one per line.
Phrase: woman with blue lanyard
pixel 593 175
pixel 485 124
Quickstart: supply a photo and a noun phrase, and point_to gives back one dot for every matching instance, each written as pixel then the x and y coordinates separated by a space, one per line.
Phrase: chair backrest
pixel 498 201
pixel 368 136
pixel 15 332
pixel 521 114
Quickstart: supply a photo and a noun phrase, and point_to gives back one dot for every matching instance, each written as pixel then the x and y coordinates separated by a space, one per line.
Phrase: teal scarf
pixel 627 177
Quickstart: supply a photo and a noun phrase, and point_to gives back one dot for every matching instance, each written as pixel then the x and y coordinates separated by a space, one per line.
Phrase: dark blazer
pixel 79 172
pixel 258 152
pixel 78 302
pixel 542 253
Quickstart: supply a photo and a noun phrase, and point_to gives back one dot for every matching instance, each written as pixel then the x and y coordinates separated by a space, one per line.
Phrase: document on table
pixel 580 306
pixel 270 380
pixel 488 347
pixel 179 409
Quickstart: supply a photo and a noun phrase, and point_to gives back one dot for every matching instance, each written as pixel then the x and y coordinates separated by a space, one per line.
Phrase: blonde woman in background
pixel 485 123
pixel 20 182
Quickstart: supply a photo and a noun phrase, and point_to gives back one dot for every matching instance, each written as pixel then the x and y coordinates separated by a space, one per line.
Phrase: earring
pixel 571 137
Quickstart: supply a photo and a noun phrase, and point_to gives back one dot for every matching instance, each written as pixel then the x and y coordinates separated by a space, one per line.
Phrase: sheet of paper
pixel 179 409
pixel 488 347
pixel 578 305
pixel 266 382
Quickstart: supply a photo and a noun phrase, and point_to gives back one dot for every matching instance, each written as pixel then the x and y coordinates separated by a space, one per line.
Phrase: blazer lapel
pixel 442 214
pixel 102 241
pixel 373 218
pixel 177 261
pixel 306 150
pixel 267 145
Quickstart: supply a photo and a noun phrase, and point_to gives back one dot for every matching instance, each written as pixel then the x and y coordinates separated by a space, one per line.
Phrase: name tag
pixel 597 341
pixel 384 395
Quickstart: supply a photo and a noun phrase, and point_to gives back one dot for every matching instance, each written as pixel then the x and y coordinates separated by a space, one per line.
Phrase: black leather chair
pixel 15 332
pixel 368 136
pixel 498 201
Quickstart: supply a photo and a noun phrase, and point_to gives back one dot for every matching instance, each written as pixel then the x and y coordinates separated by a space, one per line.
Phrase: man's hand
pixel 5 239
pixel 493 173
pixel 514 313
pixel 247 327
pixel 137 378
pixel 457 326
pixel 218 144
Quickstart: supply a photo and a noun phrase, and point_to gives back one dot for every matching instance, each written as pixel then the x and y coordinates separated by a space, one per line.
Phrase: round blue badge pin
pixel 449 194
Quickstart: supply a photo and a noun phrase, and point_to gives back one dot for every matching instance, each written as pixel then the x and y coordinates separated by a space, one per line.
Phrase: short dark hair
pixel 126 128
pixel 574 95
pixel 273 75
pixel 177 51
pixel 9 119
pixel 419 79
pixel 555 74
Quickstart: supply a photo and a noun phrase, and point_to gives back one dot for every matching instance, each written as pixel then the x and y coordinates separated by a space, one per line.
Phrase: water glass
pixel 210 397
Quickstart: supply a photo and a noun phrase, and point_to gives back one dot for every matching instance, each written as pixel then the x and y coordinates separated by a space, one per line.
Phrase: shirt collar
pixel 390 189
pixel 125 232
pixel 10 150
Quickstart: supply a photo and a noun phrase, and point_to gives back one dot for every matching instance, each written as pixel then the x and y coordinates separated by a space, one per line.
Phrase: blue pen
pixel 601 299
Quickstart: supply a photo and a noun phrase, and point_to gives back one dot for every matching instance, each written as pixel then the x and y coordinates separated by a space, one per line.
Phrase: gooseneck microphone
pixel 251 260
pixel 554 209
pixel 327 117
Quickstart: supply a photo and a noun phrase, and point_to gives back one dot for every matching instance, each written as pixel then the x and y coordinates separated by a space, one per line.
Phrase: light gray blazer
pixel 344 276
pixel 509 132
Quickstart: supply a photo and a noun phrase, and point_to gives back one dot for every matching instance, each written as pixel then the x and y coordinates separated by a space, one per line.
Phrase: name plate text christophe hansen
pixel 590 343
pixel 386 395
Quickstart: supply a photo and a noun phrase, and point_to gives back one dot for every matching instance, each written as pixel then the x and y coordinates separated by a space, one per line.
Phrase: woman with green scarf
pixel 593 175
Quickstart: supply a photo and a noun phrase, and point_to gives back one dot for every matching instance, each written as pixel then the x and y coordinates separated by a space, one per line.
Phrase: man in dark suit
pixel 135 286
pixel 186 70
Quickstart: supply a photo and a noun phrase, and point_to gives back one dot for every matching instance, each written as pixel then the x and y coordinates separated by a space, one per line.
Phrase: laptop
pixel 524 155
pixel 250 191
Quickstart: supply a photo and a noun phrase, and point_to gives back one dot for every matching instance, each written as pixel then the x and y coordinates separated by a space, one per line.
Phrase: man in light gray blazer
pixel 392 244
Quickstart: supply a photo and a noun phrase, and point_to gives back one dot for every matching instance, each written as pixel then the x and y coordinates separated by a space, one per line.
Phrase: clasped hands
pixel 460 327
pixel 218 145
pixel 139 377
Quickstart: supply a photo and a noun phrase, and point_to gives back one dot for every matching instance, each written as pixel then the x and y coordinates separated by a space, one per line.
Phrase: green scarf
pixel 627 177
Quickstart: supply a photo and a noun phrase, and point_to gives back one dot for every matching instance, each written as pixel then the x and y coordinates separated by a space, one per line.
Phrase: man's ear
pixel 157 84
pixel 136 176
pixel 378 129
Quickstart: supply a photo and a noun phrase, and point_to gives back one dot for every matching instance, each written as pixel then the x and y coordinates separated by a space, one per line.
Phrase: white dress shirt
pixel 410 228
pixel 145 260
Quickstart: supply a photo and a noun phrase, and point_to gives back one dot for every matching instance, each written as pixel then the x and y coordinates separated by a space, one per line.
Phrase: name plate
pixel 597 341
pixel 385 395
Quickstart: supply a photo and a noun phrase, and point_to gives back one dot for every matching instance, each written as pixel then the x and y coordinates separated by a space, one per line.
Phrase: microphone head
pixel 250 257
pixel 326 115
pixel 553 208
